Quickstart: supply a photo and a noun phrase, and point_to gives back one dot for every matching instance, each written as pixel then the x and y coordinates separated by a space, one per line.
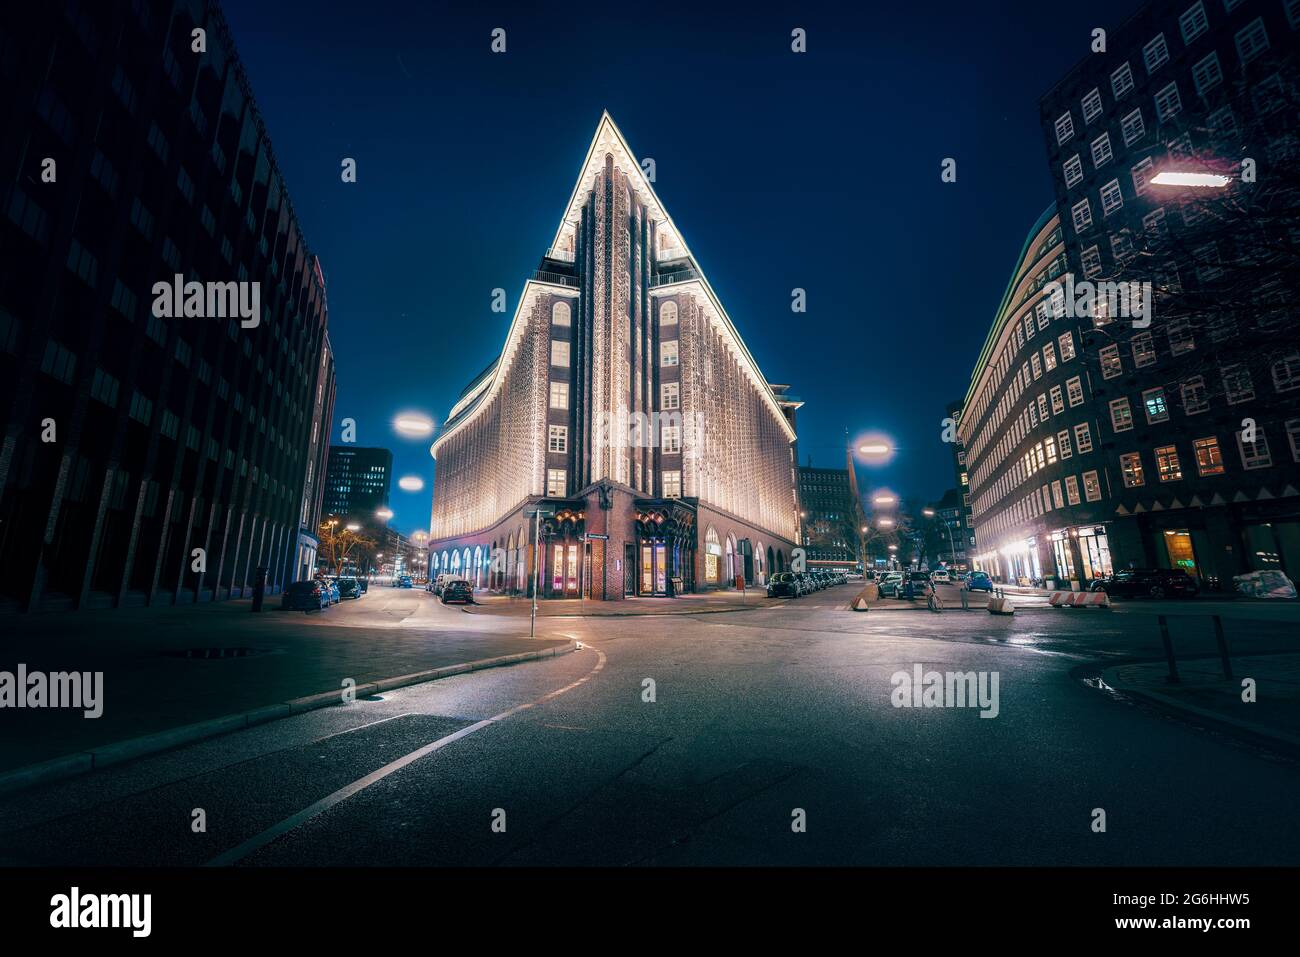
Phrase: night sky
pixel 818 171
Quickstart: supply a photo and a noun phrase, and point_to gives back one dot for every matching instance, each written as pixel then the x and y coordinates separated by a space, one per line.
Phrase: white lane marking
pixel 368 724
pixel 342 794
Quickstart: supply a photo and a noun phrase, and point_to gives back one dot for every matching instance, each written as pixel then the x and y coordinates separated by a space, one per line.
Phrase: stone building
pixel 627 408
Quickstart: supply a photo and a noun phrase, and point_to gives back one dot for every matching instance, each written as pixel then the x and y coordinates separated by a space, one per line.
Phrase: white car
pixel 940 575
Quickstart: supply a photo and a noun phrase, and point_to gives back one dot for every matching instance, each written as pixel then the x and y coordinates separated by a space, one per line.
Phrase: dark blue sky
pixel 818 170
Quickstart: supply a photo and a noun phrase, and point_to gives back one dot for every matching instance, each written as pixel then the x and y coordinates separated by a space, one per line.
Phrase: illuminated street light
pixel 413 425
pixel 875 448
pixel 384 513
pixel 893 548
pixel 884 500
pixel 928 512
pixel 410 483
pixel 354 527
pixel 1203 180
pixel 885 522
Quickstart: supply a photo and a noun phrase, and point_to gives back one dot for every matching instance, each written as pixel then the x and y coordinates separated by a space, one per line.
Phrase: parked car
pixel 331 590
pixel 349 588
pixel 404 582
pixel 783 585
pixel 890 583
pixel 458 589
pixel 1148 583
pixel 363 584
pixel 940 576
pixel 978 581
pixel 305 596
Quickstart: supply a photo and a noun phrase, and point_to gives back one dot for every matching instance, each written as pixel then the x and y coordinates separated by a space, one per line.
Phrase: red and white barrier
pixel 1092 599
pixel 1061 599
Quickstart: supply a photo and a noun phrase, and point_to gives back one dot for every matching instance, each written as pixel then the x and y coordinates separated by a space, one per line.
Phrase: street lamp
pixel 875 448
pixel 884 500
pixel 885 522
pixel 1182 178
pixel 952 547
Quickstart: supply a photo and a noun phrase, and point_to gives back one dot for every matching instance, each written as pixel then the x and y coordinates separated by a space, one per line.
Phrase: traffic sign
pixel 603 538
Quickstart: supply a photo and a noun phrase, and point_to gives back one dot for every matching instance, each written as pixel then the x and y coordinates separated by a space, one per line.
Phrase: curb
pixel 628 614
pixel 84 762
pixel 1244 729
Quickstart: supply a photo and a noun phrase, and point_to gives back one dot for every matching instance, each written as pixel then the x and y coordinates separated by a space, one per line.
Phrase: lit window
pixel 556 482
pixel 1049 356
pixel 1121 416
pixel 1111 366
pixel 559 395
pixel 1156 408
pixel 1167 465
pixel 672 483
pixel 1209 457
pixel 1091 487
pixel 1130 466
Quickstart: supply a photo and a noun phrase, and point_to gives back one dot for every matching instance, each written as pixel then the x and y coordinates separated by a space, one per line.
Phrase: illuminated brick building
pixel 625 404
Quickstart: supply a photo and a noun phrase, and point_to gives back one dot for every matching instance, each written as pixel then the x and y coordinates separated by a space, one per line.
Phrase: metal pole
pixel 537 531
pixel 1223 647
pixel 1172 677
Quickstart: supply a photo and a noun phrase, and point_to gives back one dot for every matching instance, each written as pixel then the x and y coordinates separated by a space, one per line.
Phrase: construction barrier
pixel 1001 606
pixel 1061 599
pixel 1091 599
pixel 860 604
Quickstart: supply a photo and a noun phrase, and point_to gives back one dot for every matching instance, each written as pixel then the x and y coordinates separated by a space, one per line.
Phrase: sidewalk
pixel 1203 693
pixel 695 604
pixel 150 685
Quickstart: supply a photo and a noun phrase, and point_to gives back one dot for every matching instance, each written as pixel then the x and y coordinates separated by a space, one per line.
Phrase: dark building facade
pixel 829 517
pixel 627 407
pixel 148 459
pixel 1196 400
pixel 358 483
pixel 965 528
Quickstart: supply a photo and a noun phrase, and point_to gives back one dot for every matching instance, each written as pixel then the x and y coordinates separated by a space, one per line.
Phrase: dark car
pixel 979 581
pixel 783 585
pixel 458 590
pixel 349 588
pixel 305 596
pixel 363 584
pixel 1148 583
pixel 404 582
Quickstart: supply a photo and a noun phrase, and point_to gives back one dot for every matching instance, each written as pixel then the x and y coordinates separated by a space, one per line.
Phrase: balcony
pixel 680 274
pixel 555 278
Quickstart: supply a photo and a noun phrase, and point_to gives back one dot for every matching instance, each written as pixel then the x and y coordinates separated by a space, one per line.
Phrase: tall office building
pixel 829 517
pixel 626 406
pixel 149 455
pixel 358 483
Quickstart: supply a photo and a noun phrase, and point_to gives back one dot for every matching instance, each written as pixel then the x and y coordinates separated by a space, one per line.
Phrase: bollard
pixel 1223 647
pixel 1172 677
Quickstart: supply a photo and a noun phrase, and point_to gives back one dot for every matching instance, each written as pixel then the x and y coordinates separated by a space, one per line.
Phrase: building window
pixel 1181 339
pixel 1194 397
pixel 559 353
pixel 1064 128
pixel 1111 366
pixel 1156 408
pixel 1156 53
pixel 1091 106
pixel 668 353
pixel 557 438
pixel 1066 342
pixel 672 483
pixel 555 482
pixel 1237 383
pixel 1141 174
pixel 1252 40
pixel 561 315
pixel 1209 457
pixel 1063 443
pixel 559 395
pixel 1130 466
pixel 141 409
pixel 1286 372
pixel 104 388
pixel 1058 400
pixel 1207 74
pixel 1101 152
pixel 1112 198
pixel 1091 486
pixel 668 314
pixel 1073 170
pixel 1081 215
pixel 1083 437
pixel 1167 465
pixel 1072 489
pixel 1074 389
pixel 1121 416
pixel 1168 104
pixel 671 395
pixel 1293 425
pixel 1193 22
pixel 1255 455
pixel 1090 258
pixel 670 439
pixel 58 362
pixel 1036 362
pixel 1132 127
pixel 1144 350
pixel 1121 81
pixel 1049 356
pixel 1042 406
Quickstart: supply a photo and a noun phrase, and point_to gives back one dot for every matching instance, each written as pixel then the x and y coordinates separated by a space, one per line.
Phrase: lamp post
pixel 537 514
pixel 952 548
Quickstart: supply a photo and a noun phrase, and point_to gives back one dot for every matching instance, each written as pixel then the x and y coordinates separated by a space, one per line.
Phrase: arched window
pixel 560 314
pixel 466 559
pixel 668 314
pixel 455 562
pixel 445 566
pixel 731 559
pixel 435 561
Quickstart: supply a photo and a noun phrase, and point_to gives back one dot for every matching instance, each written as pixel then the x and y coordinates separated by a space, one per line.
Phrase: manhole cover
pixel 209 653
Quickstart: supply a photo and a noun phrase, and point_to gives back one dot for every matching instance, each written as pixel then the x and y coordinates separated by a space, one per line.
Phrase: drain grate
pixel 211 653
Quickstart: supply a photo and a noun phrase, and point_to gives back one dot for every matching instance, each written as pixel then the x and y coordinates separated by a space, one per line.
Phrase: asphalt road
pixel 758 718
